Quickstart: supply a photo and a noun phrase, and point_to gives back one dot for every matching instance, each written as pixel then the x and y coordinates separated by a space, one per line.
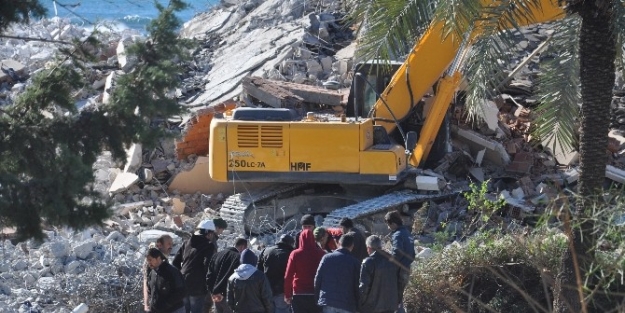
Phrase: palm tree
pixel 585 74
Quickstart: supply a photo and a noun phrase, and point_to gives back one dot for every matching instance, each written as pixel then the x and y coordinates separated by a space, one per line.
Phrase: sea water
pixel 120 14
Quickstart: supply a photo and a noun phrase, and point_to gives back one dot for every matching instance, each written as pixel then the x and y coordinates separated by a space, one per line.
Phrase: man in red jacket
pixel 299 279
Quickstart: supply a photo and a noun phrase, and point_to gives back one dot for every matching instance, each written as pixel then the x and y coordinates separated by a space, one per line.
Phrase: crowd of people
pixel 329 270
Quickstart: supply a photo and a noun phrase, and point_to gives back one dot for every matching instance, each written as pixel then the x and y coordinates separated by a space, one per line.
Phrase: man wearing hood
pixel 299 288
pixel 248 288
pixel 192 260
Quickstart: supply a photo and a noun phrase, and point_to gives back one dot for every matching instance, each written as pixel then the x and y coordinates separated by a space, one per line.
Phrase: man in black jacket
pixel 165 285
pixel 192 260
pixel 248 288
pixel 273 262
pixel 221 266
pixel 379 286
pixel 360 249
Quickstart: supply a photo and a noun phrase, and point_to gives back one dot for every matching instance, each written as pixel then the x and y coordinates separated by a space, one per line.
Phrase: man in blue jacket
pixel 336 281
pixel 402 250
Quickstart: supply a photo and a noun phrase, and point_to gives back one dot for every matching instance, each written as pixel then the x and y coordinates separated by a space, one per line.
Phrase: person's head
pixel 287 240
pixel 321 235
pixel 220 225
pixel 346 224
pixel 393 220
pixel 347 241
pixel 240 244
pixel 374 243
pixel 154 257
pixel 206 228
pixel 308 222
pixel 165 243
pixel 248 257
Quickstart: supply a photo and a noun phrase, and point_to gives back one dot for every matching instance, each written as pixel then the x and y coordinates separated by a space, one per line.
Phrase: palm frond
pixel 559 88
pixel 490 51
pixel 390 27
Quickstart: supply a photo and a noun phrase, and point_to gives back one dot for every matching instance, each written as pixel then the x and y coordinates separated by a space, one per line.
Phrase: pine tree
pixel 49 147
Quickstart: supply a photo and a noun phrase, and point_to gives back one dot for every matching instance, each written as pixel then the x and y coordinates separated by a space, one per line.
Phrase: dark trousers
pixel 305 304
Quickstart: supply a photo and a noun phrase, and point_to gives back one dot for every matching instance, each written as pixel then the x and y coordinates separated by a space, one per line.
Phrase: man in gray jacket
pixel 248 288
pixel 379 288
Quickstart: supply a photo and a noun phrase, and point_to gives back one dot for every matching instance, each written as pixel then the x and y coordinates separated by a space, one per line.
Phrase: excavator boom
pixel 426 64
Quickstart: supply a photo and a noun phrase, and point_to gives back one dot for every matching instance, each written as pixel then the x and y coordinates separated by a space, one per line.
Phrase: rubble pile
pixel 293 42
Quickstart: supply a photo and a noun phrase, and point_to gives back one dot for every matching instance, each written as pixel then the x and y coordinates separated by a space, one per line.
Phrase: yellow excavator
pixel 351 166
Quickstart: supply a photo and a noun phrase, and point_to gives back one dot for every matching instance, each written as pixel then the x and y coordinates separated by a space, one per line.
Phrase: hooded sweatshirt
pixel 249 291
pixel 302 266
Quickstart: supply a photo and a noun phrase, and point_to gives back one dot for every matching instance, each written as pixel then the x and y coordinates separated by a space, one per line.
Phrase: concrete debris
pixel 430 183
pixel 122 182
pixel 477 173
pixel 615 174
pixel 495 152
pixel 271 94
pixel 521 164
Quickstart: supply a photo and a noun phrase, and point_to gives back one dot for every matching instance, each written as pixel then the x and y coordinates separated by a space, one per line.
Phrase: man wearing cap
pixel 220 268
pixel 273 262
pixel 248 288
pixel 308 222
pixel 192 260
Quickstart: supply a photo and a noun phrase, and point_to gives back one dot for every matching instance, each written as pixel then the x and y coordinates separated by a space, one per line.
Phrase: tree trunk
pixel 597 50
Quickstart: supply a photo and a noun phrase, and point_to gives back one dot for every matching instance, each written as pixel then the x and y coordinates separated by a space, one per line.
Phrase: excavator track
pixel 380 204
pixel 235 207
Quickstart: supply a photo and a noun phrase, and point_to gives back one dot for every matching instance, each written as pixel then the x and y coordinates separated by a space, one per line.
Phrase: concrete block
pixel 518 193
pixel 491 114
pixel 571 175
pixel 495 151
pixel 615 174
pixel 428 183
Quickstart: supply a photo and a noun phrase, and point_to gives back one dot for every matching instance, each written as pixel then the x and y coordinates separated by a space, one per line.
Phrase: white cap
pixel 207 225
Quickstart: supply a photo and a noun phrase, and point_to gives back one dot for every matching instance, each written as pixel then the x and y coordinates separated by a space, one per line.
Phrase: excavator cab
pixel 367 87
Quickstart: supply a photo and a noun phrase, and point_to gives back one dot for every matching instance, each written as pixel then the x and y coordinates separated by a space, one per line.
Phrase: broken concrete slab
pixel 477 173
pixel 562 155
pixel 10 70
pixel 480 157
pixel 495 152
pixel 270 93
pixel 315 94
pixel 122 182
pixel 134 159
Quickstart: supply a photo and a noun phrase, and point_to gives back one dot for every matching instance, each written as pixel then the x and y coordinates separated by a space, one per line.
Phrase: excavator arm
pixel 427 63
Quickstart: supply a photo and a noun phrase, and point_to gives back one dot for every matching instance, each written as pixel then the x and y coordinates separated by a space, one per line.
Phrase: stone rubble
pixel 279 41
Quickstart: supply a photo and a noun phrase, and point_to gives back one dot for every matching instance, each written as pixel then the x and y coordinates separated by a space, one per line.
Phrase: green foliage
pixel 48 147
pixel 15 11
pixel 479 203
pixel 490 272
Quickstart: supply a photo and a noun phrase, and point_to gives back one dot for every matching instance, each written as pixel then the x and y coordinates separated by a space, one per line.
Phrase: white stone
pixel 59 249
pixel 46 283
pixel 427 183
pixel 126 62
pixel 83 249
pixel 149 236
pixel 123 181
pixel 326 64
pixel 313 67
pixel 82 308
pixel 477 173
pixel 29 279
pixel 74 268
pixel 480 157
pixel 115 236
pixel 491 114
pixel 425 254
pixel 20 265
